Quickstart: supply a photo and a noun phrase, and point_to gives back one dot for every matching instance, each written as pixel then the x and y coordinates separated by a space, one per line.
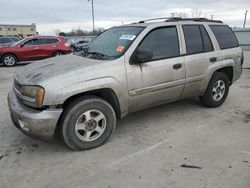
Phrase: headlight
pixel 33 95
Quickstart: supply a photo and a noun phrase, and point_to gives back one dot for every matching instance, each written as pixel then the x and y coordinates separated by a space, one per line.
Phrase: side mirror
pixel 141 56
pixel 21 45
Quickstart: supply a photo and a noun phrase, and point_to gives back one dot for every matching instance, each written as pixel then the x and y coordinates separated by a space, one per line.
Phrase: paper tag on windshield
pixel 127 37
pixel 120 48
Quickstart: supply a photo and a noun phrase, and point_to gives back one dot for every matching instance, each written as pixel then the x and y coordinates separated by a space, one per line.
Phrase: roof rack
pixel 192 19
pixel 153 19
pixel 177 19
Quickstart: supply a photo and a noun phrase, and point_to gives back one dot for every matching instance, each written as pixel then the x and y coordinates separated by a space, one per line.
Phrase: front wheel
pixel 217 91
pixel 9 60
pixel 87 123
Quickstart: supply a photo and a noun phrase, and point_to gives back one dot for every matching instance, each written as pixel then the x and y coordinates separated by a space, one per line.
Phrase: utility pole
pixel 212 17
pixel 173 14
pixel 93 14
pixel 245 20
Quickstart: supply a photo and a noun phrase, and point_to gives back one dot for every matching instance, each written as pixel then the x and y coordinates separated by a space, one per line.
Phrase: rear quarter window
pixel 225 36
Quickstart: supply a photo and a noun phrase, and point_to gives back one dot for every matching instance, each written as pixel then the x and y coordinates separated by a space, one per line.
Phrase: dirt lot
pixel 147 149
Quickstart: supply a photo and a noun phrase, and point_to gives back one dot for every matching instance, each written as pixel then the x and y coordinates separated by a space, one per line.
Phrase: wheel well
pixel 106 94
pixel 8 54
pixel 229 72
pixel 58 52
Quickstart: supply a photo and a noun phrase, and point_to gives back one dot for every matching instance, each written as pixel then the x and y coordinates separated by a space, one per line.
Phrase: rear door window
pixel 38 42
pixel 50 41
pixel 197 39
pixel 225 36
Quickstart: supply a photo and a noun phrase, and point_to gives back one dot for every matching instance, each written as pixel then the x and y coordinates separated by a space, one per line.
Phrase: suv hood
pixel 46 70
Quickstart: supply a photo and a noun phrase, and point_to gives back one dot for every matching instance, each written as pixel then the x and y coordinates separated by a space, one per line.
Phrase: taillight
pixel 67 44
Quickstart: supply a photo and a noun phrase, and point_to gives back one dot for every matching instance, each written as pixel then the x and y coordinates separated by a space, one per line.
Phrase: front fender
pixel 61 95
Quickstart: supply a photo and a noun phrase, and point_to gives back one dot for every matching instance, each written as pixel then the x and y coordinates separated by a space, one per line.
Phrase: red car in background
pixel 34 48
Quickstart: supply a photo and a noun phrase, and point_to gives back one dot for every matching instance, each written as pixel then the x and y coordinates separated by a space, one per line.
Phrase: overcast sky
pixel 50 15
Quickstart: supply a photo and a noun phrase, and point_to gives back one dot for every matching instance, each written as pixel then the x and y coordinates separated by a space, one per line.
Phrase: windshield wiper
pixel 97 54
pixel 85 52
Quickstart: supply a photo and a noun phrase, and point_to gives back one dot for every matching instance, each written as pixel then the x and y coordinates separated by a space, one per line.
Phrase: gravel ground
pixel 150 148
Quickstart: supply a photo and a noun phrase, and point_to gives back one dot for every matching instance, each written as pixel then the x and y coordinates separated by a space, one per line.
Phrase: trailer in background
pixel 243 36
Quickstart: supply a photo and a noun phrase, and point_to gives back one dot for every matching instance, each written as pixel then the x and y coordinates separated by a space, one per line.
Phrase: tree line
pixel 80 32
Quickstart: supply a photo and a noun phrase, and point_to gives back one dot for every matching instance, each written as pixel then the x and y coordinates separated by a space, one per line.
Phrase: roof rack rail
pixel 153 19
pixel 176 19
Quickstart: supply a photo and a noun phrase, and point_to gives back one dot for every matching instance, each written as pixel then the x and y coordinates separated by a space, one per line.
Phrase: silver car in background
pixel 8 40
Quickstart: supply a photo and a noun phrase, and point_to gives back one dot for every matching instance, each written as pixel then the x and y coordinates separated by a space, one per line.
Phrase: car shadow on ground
pixel 18 65
pixel 173 110
pixel 124 126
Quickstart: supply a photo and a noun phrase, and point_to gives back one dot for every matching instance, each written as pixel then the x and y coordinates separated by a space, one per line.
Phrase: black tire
pixel 14 121
pixel 208 99
pixel 10 57
pixel 58 54
pixel 73 49
pixel 75 110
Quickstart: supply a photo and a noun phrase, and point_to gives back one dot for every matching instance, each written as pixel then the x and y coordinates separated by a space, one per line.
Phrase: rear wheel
pixel 87 123
pixel 58 54
pixel 9 60
pixel 217 90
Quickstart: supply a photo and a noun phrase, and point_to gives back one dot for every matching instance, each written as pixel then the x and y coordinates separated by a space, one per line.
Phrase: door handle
pixel 36 48
pixel 213 59
pixel 177 66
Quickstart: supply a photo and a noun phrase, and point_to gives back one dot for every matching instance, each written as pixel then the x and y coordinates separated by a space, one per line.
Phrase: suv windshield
pixel 114 42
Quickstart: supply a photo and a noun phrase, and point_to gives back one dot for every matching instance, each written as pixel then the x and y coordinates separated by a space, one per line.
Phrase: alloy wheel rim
pixel 219 90
pixel 90 125
pixel 9 60
pixel 58 54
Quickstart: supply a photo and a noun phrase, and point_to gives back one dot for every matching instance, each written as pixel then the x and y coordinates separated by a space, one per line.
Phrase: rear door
pixel 163 77
pixel 199 56
pixel 48 47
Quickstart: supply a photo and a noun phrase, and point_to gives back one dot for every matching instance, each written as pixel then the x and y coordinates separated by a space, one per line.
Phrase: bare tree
pixel 182 15
pixel 56 32
pixel 80 32
pixel 196 13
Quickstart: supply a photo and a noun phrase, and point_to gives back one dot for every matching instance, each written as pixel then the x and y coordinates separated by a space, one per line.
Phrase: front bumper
pixel 35 123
